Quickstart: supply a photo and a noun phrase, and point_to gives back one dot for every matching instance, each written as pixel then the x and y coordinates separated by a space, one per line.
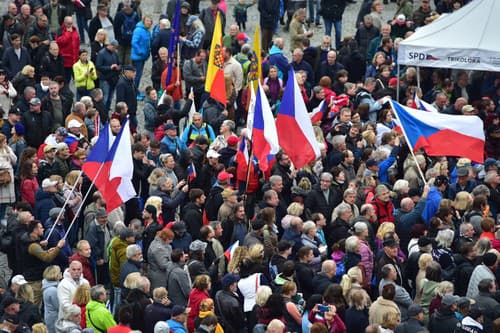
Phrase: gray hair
pixel 444 238
pixel 349 191
pixel 481 189
pixel 164 24
pixel 119 226
pixel 275 179
pixel 308 227
pixel 142 283
pixel 490 176
pixel 79 107
pixel 343 208
pixel 215 224
pixel 132 250
pixel 338 140
pixel 400 184
pixel 161 181
pixel 380 188
pixel 96 292
pixel 229 123
pixel 327 175
pixel 269 194
pixel 464 226
pixel 351 243
pixel 69 311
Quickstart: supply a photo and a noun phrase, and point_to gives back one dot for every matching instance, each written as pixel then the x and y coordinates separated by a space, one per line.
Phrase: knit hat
pixel 489 259
pixel 19 128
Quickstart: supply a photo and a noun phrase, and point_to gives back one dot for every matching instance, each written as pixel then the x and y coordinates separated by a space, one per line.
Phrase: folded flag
pixel 191 172
pixel 230 250
pixel 421 104
pixel 317 113
pixel 441 134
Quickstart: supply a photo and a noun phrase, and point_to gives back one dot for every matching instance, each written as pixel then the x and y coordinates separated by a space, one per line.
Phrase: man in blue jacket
pixel 141 49
pixel 277 58
pixel 434 198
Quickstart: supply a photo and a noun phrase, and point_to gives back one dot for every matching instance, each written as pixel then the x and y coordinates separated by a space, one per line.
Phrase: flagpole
pixel 408 143
pixel 83 200
pixel 250 158
pixel 64 206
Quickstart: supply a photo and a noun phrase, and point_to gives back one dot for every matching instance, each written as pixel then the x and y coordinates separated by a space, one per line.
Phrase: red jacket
pixel 86 267
pixel 195 298
pixel 172 90
pixel 28 190
pixel 383 210
pixel 69 46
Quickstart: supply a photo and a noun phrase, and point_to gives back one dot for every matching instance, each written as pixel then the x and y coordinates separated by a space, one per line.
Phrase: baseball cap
pixel 242 36
pixel 462 172
pixel 449 300
pixel 475 311
pixel 169 126
pixel 15 111
pixel 179 309
pixel 223 176
pixel 179 226
pixel 390 242
pixel 232 140
pixel 19 280
pixel 424 241
pixel 48 148
pixel 467 108
pixel 35 101
pixel 54 212
pixel 212 153
pixel 227 192
pixel 47 183
pixel 490 162
pixel 114 42
pixel 74 123
pixel 401 18
pixel 371 162
pixel 229 279
pixel 129 68
pixel 197 245
pixel 258 224
pixel 100 212
pixel 62 131
pixel 414 310
pixel 394 82
pixel 441 180
pixel 186 4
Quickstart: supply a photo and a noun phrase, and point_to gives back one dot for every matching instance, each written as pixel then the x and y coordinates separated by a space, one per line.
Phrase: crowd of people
pixel 370 237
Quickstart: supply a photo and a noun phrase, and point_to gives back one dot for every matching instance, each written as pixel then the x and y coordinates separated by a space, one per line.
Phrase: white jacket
pixel 66 289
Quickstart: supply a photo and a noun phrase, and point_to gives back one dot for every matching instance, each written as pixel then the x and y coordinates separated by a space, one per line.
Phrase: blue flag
pixel 174 41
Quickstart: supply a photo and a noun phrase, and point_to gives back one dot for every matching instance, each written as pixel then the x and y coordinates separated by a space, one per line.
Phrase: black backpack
pixel 128 26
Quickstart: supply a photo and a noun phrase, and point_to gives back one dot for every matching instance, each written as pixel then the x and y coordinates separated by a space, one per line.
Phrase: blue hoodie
pixel 141 43
pixel 277 59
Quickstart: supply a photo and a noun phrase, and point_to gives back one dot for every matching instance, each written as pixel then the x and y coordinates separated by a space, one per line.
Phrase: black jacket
pixel 228 307
pixel 333 9
pixel 304 275
pixel 94 25
pixel 463 272
pixel 154 313
pixel 443 321
pixel 316 203
pixel 12 64
pixel 411 325
pixel 356 320
pixel 106 58
pixel 126 92
pixel 38 126
pixel 269 13
pixel 62 12
pixel 320 282
pixel 161 39
pixel 192 216
pixel 52 66
pixel 337 230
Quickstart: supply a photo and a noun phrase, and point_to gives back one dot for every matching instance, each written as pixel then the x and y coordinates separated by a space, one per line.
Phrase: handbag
pixel 5 177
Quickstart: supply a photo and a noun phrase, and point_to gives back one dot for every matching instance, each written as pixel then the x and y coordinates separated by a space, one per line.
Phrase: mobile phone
pixel 323 308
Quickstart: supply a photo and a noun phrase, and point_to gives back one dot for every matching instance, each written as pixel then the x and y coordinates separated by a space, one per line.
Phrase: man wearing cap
pixel 229 305
pixel 117 257
pixel 424 246
pixel 407 216
pixel 215 199
pixel 207 16
pixel 443 320
pixel 434 198
pixel 206 174
pixel 99 236
pixel 109 66
pixel 230 198
pixel 46 164
pixel 228 153
pixel 390 256
pixel 463 183
pixel 196 265
pixel 45 199
pixel 256 236
pixel 13 118
pixel 415 322
pixel 178 319
pixel 182 238
pixel 37 123
pixel 171 143
pixel 126 91
pixel 78 113
pixel 61 166
pixel 35 259
pixel 58 233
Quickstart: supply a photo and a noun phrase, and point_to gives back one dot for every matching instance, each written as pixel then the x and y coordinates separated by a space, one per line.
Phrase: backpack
pixel 128 26
pixel 359 96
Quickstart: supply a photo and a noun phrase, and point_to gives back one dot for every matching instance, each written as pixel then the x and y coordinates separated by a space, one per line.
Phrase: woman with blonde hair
pixel 25 78
pixel 268 215
pixel 442 289
pixel 462 202
pixel 99 42
pixel 7 161
pixel 156 174
pixel 389 322
pixel 356 316
pixel 295 209
pixel 28 311
pixel 156 202
pixel 72 190
pixel 383 229
pixel 40 328
pixel 81 298
pixel 351 281
pixel 256 253
pixel 424 261
pixel 51 277
pixel 240 253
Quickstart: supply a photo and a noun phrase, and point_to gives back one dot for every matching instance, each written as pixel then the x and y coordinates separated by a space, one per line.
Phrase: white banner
pixel 449 58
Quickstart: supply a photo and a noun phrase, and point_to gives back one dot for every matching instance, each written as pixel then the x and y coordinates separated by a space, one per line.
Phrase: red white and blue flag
pixel 295 131
pixel 441 134
pixel 191 172
pixel 317 113
pixel 264 135
pixel 230 250
pixel 422 105
pixel 110 167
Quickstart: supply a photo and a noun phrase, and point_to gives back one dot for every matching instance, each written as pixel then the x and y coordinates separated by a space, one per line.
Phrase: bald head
pixel 407 204
pixel 279 42
pixel 329 268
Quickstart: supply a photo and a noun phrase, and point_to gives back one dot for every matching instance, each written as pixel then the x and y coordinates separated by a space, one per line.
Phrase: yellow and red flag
pixel 214 83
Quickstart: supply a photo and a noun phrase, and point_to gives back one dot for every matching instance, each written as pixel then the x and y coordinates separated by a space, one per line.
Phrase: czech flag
pixel 422 105
pixel 441 134
pixel 215 84
pixel 295 131
pixel 230 250
pixel 264 136
pixel 317 113
pixel 110 167
pixel 191 172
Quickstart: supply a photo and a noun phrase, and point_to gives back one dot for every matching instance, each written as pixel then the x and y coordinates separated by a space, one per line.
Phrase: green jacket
pixel 98 317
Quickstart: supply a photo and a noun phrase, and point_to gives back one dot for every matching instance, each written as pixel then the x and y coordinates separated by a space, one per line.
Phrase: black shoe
pixel 318 25
pixel 351 1
pixel 386 2
pixel 282 21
